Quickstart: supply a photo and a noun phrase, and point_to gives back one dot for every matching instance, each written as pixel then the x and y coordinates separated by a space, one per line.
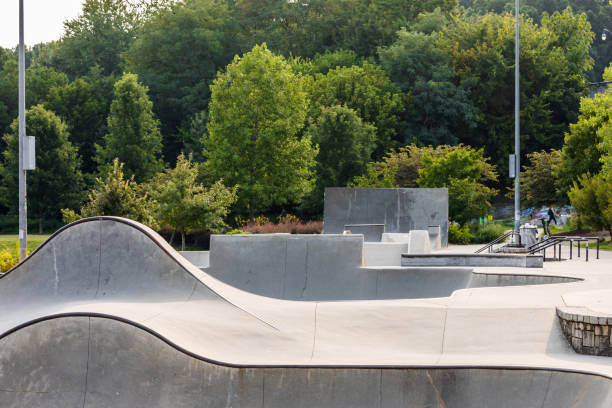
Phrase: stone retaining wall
pixel 587 331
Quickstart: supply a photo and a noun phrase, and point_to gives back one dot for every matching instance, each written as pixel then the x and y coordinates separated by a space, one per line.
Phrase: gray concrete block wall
pixel 400 209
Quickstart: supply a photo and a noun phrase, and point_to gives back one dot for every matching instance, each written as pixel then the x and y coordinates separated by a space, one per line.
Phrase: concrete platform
pixel 86 323
pixel 486 260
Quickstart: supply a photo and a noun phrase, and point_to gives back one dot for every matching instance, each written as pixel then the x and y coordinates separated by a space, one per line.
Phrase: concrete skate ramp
pixel 106 314
pixel 89 362
pixel 330 267
pixel 321 267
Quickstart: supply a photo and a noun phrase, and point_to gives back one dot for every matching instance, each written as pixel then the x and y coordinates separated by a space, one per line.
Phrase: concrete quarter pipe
pixel 106 314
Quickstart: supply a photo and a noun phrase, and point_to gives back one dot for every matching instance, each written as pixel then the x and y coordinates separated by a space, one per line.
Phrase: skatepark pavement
pixel 107 314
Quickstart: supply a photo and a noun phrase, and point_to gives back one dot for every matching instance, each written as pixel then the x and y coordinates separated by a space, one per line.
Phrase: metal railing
pixel 497 240
pixel 556 242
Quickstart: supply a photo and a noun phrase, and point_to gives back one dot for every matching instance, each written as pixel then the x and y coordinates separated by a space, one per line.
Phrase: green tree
pixel 57 181
pixel 400 167
pixel 84 105
pixel 133 133
pixel 582 152
pixel 592 197
pixel 461 172
pixel 9 75
pixel 257 108
pixel 438 107
pixel 98 36
pixel 481 49
pixel 599 15
pixel 345 146
pixel 40 80
pixel 306 28
pixel 196 38
pixel 186 205
pixel 538 178
pixel 115 195
pixel 365 89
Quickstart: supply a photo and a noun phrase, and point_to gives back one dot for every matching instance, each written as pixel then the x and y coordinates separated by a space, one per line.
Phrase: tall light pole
pixel 23 205
pixel 517 131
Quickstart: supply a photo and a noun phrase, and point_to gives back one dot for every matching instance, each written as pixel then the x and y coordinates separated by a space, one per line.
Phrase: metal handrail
pixel 495 241
pixel 558 240
pixel 534 247
pixel 581 239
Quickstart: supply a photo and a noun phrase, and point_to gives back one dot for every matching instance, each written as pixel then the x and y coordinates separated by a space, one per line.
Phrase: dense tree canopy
pixel 367 90
pixel 147 80
pixel 438 107
pixel 345 145
pixel 481 50
pixel 177 55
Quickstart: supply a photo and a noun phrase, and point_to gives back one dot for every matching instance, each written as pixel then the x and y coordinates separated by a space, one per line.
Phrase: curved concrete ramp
pixel 331 268
pixel 106 314
pixel 88 362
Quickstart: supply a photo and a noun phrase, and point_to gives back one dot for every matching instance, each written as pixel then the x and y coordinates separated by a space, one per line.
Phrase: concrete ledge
pixel 587 331
pixel 487 280
pixel 419 242
pixel 486 260
pixel 371 232
pixel 201 259
pixel 384 253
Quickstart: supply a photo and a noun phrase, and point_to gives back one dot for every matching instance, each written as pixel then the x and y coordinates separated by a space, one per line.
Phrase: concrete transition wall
pixel 88 362
pixel 323 267
pixel 400 209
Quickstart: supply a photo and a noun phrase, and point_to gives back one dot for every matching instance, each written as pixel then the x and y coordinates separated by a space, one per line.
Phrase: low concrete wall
pixel 400 209
pixel 418 241
pixel 384 253
pixel 370 232
pixel 486 280
pixel 486 260
pixel 201 259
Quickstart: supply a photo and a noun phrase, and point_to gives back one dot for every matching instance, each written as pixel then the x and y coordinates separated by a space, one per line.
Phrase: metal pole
pixel 23 206
pixel 517 130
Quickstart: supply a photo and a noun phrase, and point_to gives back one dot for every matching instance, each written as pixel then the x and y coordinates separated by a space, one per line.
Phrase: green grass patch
pixel 8 242
pixel 607 245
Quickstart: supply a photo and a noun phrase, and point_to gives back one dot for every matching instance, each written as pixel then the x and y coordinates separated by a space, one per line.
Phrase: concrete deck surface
pixel 87 323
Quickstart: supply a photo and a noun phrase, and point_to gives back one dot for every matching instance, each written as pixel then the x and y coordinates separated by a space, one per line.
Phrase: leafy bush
pixel 288 224
pixel 592 197
pixel 459 235
pixel 8 259
pixel 486 233
pixel 118 196
pixel 236 232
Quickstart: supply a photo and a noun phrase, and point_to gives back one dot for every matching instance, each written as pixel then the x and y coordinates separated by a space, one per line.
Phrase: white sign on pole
pixel 512 166
pixel 29 153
